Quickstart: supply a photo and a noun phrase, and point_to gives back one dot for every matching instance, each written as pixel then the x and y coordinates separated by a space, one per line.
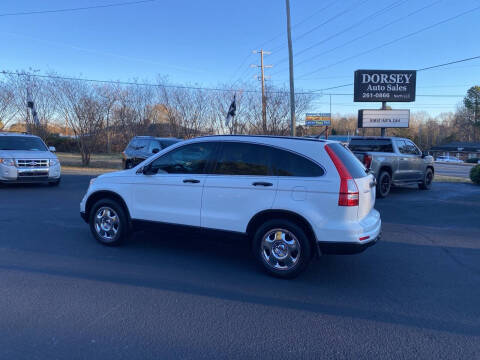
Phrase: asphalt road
pixel 455 170
pixel 415 295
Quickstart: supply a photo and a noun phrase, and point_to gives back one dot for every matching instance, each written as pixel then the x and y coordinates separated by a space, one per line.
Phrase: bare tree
pixel 7 108
pixel 85 111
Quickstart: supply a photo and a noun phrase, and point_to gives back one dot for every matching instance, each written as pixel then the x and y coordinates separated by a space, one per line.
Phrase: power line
pixel 374 31
pixel 276 37
pixel 394 40
pixel 334 17
pixel 299 23
pixel 449 63
pixel 374 14
pixel 311 92
pixel 146 84
pixel 37 12
pixel 423 69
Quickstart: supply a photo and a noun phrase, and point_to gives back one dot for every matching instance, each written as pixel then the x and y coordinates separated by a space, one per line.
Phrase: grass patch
pixel 452 179
pixel 97 161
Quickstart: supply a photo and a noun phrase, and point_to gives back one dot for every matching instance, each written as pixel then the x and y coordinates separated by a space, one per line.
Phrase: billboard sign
pixel 383 118
pixel 318 119
pixel 384 85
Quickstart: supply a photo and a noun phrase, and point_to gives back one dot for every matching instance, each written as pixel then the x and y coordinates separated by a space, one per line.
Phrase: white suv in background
pixel 25 158
pixel 293 198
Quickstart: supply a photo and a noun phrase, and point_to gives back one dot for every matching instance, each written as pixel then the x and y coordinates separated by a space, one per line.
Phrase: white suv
pixel 26 158
pixel 293 198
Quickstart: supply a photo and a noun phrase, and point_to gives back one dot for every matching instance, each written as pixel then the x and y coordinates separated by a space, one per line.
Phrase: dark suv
pixel 142 147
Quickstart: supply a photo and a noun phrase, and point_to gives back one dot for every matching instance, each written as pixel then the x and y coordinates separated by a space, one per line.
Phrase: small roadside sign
pixel 318 119
pixel 384 118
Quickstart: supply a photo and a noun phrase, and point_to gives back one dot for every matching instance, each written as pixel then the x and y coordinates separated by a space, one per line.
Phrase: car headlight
pixel 7 162
pixel 54 162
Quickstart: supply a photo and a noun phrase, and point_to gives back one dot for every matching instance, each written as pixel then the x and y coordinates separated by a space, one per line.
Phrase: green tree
pixel 472 104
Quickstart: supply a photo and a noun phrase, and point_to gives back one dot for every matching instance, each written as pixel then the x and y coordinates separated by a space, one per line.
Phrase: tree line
pixel 103 117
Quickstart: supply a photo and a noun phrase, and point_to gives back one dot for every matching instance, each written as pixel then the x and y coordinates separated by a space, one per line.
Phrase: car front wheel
pixel 282 248
pixel 108 222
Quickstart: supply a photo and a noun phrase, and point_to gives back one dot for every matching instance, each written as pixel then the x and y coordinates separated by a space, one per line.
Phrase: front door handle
pixel 262 183
pixel 192 181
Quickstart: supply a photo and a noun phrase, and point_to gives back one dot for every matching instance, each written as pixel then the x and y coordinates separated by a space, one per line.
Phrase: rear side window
pixel 243 159
pixel 353 165
pixel 286 163
pixel 378 145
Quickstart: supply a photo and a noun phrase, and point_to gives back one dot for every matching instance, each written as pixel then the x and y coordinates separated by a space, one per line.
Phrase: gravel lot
pixel 414 295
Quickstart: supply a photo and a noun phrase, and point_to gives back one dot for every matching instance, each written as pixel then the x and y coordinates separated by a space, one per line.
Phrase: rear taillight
pixel 367 160
pixel 348 195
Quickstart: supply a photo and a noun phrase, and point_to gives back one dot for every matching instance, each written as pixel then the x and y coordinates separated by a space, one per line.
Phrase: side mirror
pixel 424 154
pixel 147 170
pixel 156 150
pixel 52 149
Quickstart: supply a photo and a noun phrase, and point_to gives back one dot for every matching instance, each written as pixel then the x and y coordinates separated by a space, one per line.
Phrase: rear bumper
pixel 351 238
pixel 343 248
pixel 84 216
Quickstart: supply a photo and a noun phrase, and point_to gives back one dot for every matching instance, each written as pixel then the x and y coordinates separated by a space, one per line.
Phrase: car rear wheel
pixel 282 248
pixel 426 184
pixel 384 184
pixel 108 222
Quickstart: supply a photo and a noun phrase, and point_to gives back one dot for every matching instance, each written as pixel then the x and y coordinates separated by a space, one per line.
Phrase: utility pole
pixel 262 79
pixel 290 64
pixel 383 130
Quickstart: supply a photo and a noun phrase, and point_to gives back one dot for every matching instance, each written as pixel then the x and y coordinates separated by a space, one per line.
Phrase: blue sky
pixel 210 42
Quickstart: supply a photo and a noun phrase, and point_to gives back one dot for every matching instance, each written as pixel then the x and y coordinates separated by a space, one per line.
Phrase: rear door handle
pixel 192 181
pixel 262 183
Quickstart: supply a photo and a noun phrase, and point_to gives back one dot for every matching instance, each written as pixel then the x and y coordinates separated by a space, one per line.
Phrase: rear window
pixel 353 165
pixel 378 145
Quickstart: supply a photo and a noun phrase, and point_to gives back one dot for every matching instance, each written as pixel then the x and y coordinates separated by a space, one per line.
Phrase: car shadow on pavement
pixel 389 282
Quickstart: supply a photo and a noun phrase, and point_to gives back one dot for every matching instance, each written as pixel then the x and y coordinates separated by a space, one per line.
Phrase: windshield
pixel 22 143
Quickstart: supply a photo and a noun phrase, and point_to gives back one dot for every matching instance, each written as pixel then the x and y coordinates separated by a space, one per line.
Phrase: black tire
pixel 54 183
pixel 292 234
pixel 426 184
pixel 119 229
pixel 384 184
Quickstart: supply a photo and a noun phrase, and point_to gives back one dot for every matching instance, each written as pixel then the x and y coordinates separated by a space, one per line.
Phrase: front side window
pixel 402 147
pixel 25 143
pixel 412 148
pixel 243 159
pixel 285 163
pixel 188 159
